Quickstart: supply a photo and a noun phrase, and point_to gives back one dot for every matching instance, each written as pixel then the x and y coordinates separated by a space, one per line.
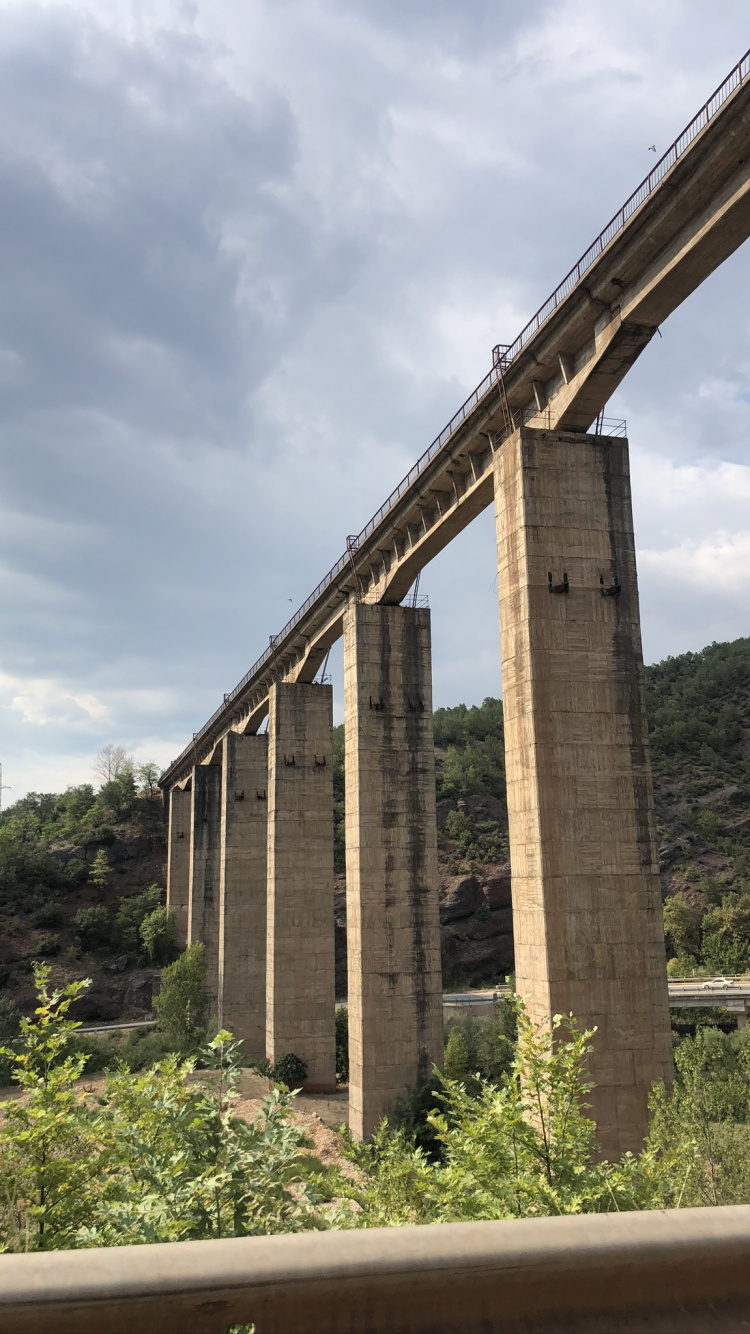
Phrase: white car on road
pixel 720 983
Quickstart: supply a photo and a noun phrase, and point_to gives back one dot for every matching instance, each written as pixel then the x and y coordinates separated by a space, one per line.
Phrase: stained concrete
pixel 300 929
pixel 242 891
pixel 179 841
pixel 393 927
pixel 203 908
pixel 586 901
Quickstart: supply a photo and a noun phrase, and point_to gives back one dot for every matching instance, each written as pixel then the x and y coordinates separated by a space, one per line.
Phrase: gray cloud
pixel 253 257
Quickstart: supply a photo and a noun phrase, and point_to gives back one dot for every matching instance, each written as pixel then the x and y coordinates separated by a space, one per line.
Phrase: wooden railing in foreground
pixel 666 1273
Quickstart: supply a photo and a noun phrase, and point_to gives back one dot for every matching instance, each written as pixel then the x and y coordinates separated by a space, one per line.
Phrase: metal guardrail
pixel 733 80
pixel 674 1272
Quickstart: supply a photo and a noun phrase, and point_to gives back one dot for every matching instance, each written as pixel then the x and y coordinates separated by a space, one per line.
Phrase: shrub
pixel 93 927
pixel 157 1157
pixel 49 945
pixel 130 917
pixel 290 1070
pixel 144 1047
pixel 98 1053
pixel 159 935
pixel 456 1061
pixel 100 870
pixel 50 914
pixel 182 1004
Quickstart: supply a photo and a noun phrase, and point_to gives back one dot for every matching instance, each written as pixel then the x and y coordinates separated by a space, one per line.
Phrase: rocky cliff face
pixel 476 928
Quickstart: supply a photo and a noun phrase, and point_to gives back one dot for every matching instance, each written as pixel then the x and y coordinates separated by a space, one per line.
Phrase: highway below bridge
pixel 686 993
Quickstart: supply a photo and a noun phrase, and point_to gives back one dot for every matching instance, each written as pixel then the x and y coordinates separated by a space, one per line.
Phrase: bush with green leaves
pixel 94 927
pixel 699 1133
pixel 182 1005
pixel 159 935
pixel 131 915
pixel 49 945
pixel 156 1157
pixel 50 914
pixel 519 1149
pixel 290 1070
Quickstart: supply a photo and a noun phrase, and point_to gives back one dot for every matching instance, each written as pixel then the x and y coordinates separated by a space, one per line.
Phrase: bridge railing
pixel 683 1270
pixel 615 225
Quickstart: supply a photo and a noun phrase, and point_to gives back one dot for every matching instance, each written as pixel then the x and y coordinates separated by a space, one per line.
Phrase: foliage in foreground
pixel 157 1157
pixel 519 1148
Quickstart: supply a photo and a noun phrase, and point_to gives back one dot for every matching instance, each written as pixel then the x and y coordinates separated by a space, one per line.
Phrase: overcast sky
pixel 254 255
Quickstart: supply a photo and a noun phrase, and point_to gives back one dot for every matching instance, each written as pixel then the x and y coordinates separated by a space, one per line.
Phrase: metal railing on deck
pixel 676 1272
pixel 509 352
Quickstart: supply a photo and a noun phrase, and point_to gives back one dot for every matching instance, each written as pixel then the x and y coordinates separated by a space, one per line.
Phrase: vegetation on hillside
pixel 69 908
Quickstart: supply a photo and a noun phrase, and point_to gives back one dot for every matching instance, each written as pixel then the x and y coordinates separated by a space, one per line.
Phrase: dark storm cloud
pixel 252 258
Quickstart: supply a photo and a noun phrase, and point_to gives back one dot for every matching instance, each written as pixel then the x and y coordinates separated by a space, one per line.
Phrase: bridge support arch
pixel 584 858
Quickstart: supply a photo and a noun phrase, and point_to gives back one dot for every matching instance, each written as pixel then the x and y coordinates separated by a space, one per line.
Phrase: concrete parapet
pixel 205 848
pixel 587 906
pixel 393 927
pixel 242 891
pixel 178 860
pixel 300 950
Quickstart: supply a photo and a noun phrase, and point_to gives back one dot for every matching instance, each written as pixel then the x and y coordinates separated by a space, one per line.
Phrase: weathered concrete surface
pixel 586 900
pixel 205 847
pixel 393 928
pixel 178 860
pixel 300 950
pixel 242 891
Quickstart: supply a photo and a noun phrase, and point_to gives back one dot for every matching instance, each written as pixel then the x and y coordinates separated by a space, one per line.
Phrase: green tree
pixel 157 1157
pixel 523 1149
pixel 456 1061
pixel 181 1005
pixel 682 923
pixel 158 932
pixel 726 934
pixel 100 870
pixel 47 1155
pixel 131 915
pixel 148 777
pixel 93 927
pixel 699 1131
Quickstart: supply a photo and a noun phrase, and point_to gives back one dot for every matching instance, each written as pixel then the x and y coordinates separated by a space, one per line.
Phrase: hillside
pixel 53 906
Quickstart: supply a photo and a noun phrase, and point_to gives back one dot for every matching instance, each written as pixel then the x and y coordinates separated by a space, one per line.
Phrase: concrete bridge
pixel 250 817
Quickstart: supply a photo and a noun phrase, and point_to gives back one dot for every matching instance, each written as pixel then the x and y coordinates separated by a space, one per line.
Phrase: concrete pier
pixel 586 901
pixel 205 846
pixel 242 891
pixel 300 951
pixel 179 839
pixel 393 928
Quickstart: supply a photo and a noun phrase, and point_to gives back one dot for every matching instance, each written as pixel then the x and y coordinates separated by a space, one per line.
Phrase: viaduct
pixel 250 866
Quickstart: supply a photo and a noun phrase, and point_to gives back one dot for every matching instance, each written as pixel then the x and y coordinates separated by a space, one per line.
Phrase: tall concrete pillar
pixel 586 901
pixel 300 994
pixel 178 860
pixel 393 927
pixel 242 891
pixel 205 848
